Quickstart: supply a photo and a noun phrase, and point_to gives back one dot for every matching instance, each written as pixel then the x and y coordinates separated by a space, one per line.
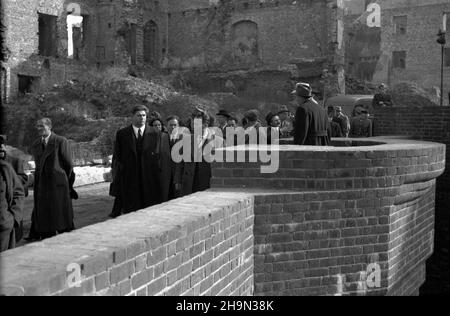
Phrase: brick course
pixel 252 240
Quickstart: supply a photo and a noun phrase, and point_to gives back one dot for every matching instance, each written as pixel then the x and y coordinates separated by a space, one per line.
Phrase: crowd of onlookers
pixel 144 170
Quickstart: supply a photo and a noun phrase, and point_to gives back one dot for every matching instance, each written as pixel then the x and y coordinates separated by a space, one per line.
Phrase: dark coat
pixel 18 166
pixel 167 166
pixel 53 209
pixel 335 130
pixel 196 176
pixel 382 97
pixel 11 198
pixel 311 125
pixel 344 123
pixel 137 190
pixel 361 127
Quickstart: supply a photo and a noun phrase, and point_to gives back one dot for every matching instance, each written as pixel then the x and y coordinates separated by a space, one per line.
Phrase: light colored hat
pixel 303 90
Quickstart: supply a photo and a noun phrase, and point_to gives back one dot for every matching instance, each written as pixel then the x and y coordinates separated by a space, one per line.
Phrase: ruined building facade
pixel 409 51
pixel 51 41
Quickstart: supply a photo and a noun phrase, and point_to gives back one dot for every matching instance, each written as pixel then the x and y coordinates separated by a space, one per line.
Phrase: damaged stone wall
pixel 299 39
pixel 26 63
pixel 423 53
pixel 269 33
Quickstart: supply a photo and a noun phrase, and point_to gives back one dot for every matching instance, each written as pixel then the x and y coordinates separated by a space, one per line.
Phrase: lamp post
pixel 442 40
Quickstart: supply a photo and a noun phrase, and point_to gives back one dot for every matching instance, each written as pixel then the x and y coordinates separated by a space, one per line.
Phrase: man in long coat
pixel 53 211
pixel 136 157
pixel 11 203
pixel 311 120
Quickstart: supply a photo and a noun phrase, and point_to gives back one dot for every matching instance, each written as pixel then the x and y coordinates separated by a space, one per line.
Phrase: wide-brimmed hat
pixel 223 113
pixel 303 89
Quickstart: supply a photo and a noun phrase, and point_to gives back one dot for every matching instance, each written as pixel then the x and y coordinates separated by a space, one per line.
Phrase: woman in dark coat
pixel 196 176
pixel 164 157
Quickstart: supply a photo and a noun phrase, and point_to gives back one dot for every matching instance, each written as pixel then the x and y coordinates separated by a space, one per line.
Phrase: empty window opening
pixel 75 31
pixel 47 35
pixel 401 24
pixel 26 83
pixel 399 59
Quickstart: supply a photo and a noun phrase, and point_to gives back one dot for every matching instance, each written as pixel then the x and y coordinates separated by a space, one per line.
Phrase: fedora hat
pixel 223 113
pixel 303 90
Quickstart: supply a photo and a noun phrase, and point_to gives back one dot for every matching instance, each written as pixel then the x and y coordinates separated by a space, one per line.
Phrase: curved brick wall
pixel 286 233
pixel 359 205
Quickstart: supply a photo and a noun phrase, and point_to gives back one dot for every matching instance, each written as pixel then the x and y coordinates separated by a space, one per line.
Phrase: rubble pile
pixel 410 94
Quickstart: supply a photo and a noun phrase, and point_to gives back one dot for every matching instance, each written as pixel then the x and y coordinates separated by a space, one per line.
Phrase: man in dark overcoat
pixel 136 156
pixel 311 120
pixel 53 210
pixel 11 205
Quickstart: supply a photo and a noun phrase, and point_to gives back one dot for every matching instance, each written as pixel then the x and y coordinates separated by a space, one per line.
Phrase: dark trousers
pixel 7 240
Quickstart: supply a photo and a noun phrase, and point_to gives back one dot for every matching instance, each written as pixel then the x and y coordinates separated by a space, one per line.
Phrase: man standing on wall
pixel 53 192
pixel 311 120
pixel 136 157
pixel 382 98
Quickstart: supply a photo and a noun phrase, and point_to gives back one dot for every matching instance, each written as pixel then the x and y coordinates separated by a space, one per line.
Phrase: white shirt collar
pixel 46 138
pixel 136 129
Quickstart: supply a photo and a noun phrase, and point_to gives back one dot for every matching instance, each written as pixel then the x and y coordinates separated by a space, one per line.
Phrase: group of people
pixel 341 125
pixel 143 169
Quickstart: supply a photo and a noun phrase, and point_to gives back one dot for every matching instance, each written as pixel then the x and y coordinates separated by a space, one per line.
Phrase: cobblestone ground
pixel 93 206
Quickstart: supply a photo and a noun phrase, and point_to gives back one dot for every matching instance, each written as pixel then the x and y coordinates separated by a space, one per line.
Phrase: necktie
pixel 43 144
pixel 139 135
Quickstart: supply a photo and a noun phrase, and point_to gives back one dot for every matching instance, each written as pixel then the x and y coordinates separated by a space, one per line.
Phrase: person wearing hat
pixel 286 121
pixel 222 121
pixel 361 126
pixel 342 120
pixel 311 125
pixel 11 205
pixel 382 98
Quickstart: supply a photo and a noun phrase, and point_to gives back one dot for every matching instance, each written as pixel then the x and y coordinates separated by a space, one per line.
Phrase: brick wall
pixel 199 245
pixel 360 205
pixel 316 227
pixel 429 123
